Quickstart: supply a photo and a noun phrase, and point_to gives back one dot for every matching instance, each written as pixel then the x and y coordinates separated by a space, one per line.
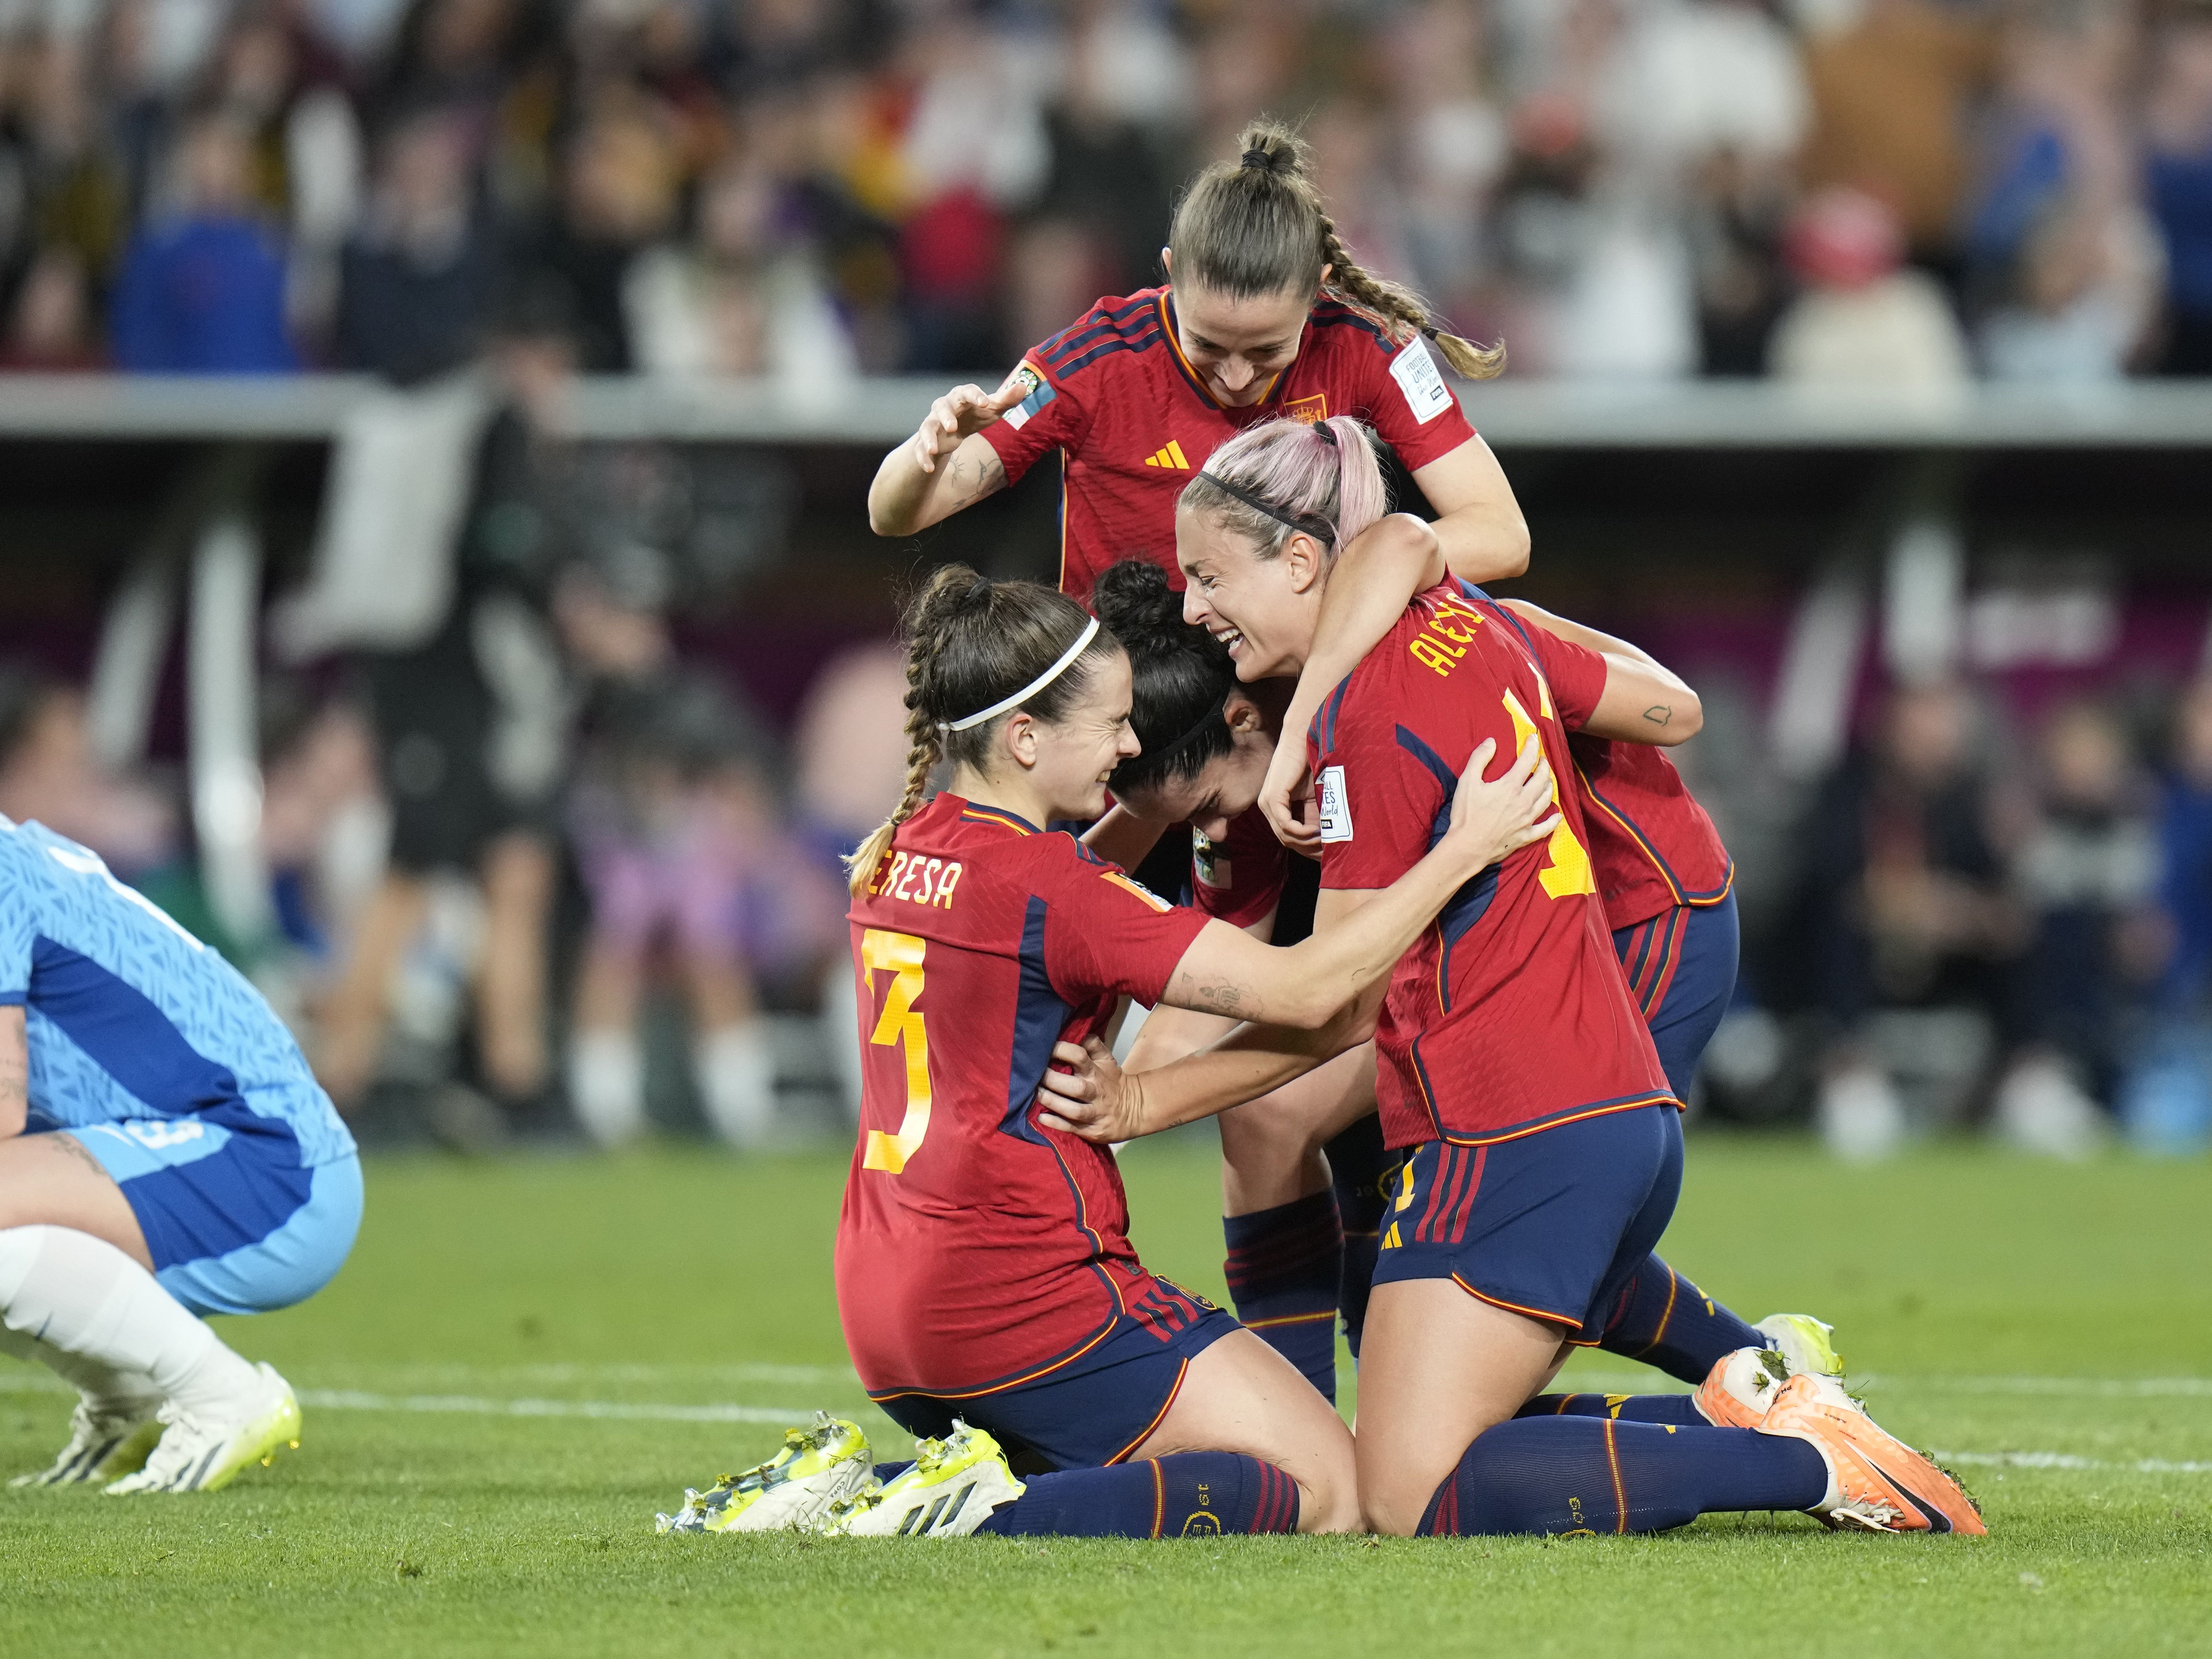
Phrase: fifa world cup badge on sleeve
pixel 1210 862
pixel 1417 376
pixel 1036 393
pixel 1335 812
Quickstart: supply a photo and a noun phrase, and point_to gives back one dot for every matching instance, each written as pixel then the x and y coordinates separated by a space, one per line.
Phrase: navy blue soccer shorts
pixel 1681 970
pixel 1549 1225
pixel 233 1222
pixel 1097 1407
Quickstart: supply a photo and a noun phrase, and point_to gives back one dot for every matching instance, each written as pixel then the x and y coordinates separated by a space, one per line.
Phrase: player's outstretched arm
pixel 14 1074
pixel 1643 701
pixel 1375 580
pixel 1227 971
pixel 947 465
pixel 1478 522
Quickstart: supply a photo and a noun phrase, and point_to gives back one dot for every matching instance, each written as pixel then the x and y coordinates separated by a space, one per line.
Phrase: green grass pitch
pixel 523 1360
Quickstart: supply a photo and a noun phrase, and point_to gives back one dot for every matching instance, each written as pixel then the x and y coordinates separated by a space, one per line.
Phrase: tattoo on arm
pixel 69 1146
pixel 1235 1001
pixel 1659 713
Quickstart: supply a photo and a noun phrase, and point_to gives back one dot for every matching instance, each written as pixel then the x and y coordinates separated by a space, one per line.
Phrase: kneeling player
pixel 165 1153
pixel 990 1297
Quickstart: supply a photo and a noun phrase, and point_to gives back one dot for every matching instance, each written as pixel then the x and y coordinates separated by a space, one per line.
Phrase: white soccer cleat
pixel 105 1443
pixel 818 1465
pixel 205 1452
pixel 1808 1344
pixel 953 1487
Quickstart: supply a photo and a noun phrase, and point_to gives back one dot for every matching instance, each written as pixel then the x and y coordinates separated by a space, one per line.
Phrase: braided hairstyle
pixel 970 643
pixel 1182 677
pixel 1258 225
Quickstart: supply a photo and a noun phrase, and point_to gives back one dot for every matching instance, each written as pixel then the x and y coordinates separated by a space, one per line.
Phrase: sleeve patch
pixel 1209 863
pixel 1039 394
pixel 1417 376
pixel 1335 810
pixel 1139 889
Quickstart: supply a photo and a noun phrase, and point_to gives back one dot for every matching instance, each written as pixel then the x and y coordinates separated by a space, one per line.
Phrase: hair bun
pixel 1134 601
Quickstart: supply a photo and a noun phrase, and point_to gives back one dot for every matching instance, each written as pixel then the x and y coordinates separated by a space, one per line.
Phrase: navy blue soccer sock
pixel 1664 1320
pixel 1579 1474
pixel 1356 1164
pixel 1283 1269
pixel 1675 1408
pixel 1187 1495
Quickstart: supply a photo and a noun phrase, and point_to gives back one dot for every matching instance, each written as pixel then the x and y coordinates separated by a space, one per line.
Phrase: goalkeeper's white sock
pixel 606 1084
pixel 104 1387
pixel 81 1295
pixel 735 1068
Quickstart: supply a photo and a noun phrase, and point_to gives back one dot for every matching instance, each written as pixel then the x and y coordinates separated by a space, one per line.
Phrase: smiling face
pixel 1062 766
pixel 1264 610
pixel 1238 346
pixel 1225 788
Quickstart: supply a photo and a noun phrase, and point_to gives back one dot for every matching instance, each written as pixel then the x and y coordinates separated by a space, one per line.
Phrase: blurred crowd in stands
pixel 1898 190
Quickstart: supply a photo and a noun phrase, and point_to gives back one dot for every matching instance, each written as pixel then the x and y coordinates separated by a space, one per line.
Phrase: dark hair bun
pixel 1134 601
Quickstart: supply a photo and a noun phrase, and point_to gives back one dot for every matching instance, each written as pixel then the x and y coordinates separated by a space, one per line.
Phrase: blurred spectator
pixel 418 279
pixel 678 836
pixel 1864 317
pixel 2165 1095
pixel 50 328
pixel 202 289
pixel 47 772
pixel 618 196
pixel 744 299
pixel 2178 179
pixel 2087 872
pixel 1909 925
pixel 1893 81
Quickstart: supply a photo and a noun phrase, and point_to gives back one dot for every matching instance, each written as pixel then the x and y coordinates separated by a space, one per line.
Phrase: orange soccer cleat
pixel 1741 1386
pixel 1877 1483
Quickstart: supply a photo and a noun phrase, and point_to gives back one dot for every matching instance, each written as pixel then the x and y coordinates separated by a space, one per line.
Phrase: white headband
pixel 1089 633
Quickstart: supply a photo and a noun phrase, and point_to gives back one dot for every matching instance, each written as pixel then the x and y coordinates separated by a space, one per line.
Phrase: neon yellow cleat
pixel 104 1444
pixel 1809 1344
pixel 827 1461
pixel 205 1455
pixel 952 1488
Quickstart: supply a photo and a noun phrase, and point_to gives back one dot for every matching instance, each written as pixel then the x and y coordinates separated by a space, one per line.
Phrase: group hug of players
pixel 1450 1106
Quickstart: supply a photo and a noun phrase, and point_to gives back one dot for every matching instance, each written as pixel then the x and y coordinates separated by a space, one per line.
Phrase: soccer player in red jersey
pixel 1542 1153
pixel 985 1279
pixel 1267 314
pixel 1209 741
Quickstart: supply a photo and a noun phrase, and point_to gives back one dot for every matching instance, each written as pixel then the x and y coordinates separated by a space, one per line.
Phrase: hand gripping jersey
pixel 1511 1013
pixel 976 1249
pixel 130 1019
pixel 1650 843
pixel 1132 421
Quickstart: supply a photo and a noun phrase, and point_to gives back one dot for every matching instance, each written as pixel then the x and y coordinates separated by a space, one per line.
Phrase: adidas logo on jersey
pixel 1171 457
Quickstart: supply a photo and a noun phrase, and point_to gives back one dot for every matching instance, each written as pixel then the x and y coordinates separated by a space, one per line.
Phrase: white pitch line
pixel 2068 1461
pixel 463 1405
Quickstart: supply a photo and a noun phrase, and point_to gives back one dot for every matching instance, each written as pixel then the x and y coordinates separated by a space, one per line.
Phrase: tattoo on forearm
pixel 1659 713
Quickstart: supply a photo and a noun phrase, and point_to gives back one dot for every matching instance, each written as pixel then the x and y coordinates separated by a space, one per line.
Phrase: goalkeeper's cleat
pixel 1877 1483
pixel 205 1454
pixel 952 1488
pixel 1809 1344
pixel 106 1442
pixel 1741 1386
pixel 826 1460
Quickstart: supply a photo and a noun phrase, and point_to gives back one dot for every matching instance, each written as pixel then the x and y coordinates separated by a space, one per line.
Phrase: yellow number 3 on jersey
pixel 1568 869
pixel 901 1022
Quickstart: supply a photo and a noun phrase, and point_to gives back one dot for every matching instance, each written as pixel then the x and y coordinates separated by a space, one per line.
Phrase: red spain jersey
pixel 1239 879
pixel 1510 1014
pixel 1132 421
pixel 1650 843
pixel 977 1250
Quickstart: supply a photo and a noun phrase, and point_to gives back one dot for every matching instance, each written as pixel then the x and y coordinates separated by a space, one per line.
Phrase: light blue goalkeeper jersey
pixel 130 1017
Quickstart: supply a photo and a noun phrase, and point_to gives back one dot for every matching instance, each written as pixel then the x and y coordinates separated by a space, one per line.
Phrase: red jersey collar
pixel 1174 337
